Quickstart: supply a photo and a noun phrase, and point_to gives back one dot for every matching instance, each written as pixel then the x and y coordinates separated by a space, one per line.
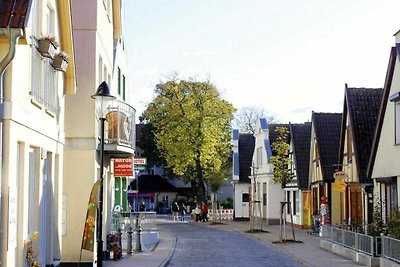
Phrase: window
pixel 119 81
pixel 397 122
pixel 123 87
pixel 259 157
pixel 100 70
pixel 288 202
pixel 349 145
pixel 44 78
pixel 245 197
pixel 395 98
pixel 296 203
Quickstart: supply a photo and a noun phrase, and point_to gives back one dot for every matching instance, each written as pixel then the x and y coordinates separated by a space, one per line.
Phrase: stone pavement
pixel 307 252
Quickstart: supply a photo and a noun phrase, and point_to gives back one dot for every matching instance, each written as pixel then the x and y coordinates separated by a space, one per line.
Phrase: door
pixel 245 213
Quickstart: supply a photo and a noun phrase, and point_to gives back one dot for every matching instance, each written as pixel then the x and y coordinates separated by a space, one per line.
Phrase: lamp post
pixel 103 99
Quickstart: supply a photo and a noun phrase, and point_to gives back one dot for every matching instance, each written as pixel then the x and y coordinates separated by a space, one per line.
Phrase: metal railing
pixel 360 242
pixel 123 220
pixel 391 248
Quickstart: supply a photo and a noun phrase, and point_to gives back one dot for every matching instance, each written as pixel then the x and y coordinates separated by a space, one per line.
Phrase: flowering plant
pixel 31 250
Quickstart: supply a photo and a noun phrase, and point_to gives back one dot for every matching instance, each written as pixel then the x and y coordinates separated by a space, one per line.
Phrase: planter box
pixel 59 63
pixel 46 48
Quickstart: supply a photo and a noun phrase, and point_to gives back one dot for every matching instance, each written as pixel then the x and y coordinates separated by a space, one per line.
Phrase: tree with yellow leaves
pixel 192 132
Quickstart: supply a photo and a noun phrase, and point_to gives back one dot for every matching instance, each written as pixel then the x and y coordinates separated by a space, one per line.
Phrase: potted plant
pixel 46 45
pixel 60 61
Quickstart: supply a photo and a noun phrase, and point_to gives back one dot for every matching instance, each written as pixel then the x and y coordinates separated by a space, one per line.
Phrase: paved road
pixel 204 246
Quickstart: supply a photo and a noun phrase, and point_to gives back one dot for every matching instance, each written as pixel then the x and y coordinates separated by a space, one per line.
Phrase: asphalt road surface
pixel 197 246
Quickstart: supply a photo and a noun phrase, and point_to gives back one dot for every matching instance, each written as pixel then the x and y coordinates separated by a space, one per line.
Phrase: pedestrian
pixel 175 211
pixel 197 211
pixel 182 212
pixel 204 211
pixel 142 207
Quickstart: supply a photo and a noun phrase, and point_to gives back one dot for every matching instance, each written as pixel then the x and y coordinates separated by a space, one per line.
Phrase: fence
pixel 391 248
pixel 123 220
pixel 359 242
pixel 226 214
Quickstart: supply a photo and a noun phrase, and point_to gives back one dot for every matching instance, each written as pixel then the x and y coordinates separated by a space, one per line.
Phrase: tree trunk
pixel 201 189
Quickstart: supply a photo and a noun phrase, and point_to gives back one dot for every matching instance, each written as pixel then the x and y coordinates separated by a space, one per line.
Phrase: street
pixel 202 246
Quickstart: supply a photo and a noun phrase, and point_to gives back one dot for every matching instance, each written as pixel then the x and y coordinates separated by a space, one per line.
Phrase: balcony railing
pixel 120 125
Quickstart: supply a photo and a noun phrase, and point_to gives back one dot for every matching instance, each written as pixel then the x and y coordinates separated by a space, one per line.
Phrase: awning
pixel 136 195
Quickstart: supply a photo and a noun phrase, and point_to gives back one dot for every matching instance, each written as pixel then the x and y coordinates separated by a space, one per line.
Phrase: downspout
pixel 13 36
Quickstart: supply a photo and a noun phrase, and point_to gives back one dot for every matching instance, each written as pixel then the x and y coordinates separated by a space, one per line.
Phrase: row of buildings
pixel 351 159
pixel 49 127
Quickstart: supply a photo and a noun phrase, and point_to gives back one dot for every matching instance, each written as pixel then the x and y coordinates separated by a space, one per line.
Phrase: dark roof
pixel 246 150
pixel 382 110
pixel 327 132
pixel 362 106
pixel 152 183
pixel 273 135
pixel 301 139
pixel 14 13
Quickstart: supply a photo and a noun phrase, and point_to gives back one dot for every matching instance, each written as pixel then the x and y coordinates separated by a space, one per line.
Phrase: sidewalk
pixel 154 257
pixel 307 252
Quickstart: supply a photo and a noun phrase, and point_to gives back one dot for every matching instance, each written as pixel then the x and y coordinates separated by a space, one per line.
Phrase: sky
pixel 288 57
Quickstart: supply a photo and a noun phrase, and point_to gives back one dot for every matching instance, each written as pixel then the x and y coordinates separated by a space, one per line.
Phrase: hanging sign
pixel 123 167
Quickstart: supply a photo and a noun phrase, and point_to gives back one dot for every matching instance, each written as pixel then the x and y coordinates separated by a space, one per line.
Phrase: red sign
pixel 123 167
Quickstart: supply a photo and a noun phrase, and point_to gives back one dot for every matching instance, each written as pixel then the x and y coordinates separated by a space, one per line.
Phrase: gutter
pixel 13 36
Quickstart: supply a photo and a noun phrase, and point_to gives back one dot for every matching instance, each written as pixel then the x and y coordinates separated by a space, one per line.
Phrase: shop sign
pixel 123 167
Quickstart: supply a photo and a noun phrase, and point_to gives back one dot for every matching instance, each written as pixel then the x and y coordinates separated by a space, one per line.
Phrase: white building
pixel 243 147
pixel 266 194
pixel 32 121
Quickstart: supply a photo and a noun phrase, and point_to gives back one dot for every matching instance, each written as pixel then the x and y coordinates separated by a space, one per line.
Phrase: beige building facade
pixel 100 56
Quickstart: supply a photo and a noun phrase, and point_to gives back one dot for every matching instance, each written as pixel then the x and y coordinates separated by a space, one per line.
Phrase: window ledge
pixel 50 113
pixel 36 103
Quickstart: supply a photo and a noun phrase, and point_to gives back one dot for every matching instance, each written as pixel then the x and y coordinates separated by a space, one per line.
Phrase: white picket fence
pixel 224 214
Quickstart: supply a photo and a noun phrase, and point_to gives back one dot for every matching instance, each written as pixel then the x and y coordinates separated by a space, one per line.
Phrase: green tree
pixel 192 131
pixel 280 160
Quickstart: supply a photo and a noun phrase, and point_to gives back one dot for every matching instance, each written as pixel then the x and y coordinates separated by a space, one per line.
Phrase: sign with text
pixel 139 161
pixel 123 167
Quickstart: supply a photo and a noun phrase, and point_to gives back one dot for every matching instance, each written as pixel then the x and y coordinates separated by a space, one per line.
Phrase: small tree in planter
pixel 394 224
pixel 46 45
pixel 60 61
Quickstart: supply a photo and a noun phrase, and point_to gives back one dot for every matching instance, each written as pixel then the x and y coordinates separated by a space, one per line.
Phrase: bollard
pixel 129 245
pixel 138 233
pixel 119 233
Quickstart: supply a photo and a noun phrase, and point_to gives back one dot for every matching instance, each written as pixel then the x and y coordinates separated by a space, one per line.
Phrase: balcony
pixel 119 129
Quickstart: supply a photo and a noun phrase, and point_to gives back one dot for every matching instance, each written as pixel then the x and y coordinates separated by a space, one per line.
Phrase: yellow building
pixel 325 137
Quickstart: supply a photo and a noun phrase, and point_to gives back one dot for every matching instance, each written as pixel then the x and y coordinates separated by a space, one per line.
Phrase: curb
pixel 166 261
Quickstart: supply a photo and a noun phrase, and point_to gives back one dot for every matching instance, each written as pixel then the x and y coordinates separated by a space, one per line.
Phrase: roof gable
pixel 327 128
pixel 382 109
pixel 301 140
pixel 246 149
pixel 363 108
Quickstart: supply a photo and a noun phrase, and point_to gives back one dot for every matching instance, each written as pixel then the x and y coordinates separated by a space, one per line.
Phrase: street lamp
pixel 103 100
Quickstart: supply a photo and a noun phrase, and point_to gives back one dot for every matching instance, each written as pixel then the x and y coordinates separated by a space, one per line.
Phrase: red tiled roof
pixel 14 13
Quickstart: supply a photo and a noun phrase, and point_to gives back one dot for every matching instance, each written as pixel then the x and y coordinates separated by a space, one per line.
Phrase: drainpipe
pixel 13 36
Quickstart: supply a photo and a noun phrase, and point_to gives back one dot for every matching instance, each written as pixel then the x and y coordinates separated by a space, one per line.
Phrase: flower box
pixel 46 48
pixel 59 63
